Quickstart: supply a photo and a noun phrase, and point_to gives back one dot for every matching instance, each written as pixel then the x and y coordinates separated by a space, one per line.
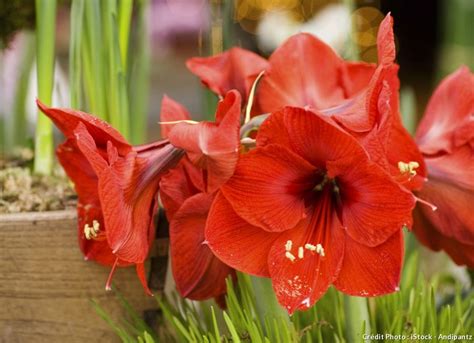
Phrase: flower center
pixel 314 249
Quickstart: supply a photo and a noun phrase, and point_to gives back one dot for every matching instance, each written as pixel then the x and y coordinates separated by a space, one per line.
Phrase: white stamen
pixel 320 249
pixel 96 225
pixel 310 247
pixel 288 245
pixel 300 253
pixel 290 256
pixel 409 167
pixel 91 232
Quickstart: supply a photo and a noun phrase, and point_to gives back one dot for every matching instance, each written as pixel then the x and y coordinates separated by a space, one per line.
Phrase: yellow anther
pixel 290 256
pixel 408 167
pixel 91 232
pixel 320 249
pixel 288 245
pixel 300 252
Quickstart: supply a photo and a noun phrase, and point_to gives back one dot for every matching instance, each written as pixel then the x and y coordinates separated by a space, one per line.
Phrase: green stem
pixel 139 77
pixel 45 27
pixel 117 90
pixel 124 19
pixel 75 67
pixel 20 134
pixel 95 46
pixel 357 318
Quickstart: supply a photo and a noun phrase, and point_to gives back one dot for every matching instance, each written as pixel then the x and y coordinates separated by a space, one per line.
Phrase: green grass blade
pixel 45 29
pixel 75 66
pixel 95 47
pixel 139 78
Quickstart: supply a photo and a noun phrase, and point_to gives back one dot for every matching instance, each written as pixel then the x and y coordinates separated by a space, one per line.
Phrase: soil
pixel 23 191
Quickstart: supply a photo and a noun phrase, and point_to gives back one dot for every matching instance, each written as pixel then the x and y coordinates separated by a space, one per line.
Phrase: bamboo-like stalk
pixel 117 90
pixel 75 66
pixel 95 44
pixel 357 318
pixel 19 131
pixel 45 28
pixel 139 76
pixel 124 20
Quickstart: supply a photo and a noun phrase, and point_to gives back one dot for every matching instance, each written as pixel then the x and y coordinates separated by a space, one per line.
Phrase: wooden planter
pixel 46 287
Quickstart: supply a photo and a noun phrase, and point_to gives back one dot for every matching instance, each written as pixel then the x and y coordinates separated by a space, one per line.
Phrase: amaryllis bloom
pixel 197 272
pixel 308 208
pixel 211 146
pixel 117 187
pixel 362 98
pixel 446 139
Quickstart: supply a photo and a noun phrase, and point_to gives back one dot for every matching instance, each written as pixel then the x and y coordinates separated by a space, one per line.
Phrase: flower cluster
pixel 307 175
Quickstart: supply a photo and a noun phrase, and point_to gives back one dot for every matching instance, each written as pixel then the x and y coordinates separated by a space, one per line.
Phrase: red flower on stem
pixel 305 72
pixel 188 191
pixel 446 139
pixel 308 209
pixel 117 187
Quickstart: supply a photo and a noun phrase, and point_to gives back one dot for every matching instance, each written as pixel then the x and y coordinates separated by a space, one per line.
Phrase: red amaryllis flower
pixel 197 272
pixel 308 209
pixel 234 69
pixel 117 186
pixel 362 98
pixel 446 139
pixel 212 146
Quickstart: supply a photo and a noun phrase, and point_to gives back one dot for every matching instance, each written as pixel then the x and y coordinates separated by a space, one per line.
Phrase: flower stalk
pixel 46 24
pixel 357 318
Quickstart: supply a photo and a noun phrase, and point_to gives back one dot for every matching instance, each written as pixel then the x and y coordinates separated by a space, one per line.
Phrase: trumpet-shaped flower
pixel 308 209
pixel 117 187
pixel 197 272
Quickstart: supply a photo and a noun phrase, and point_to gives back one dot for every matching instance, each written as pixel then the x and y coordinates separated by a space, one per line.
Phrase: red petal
pixel 305 132
pixel 234 69
pixel 292 81
pixel 267 188
pixel 373 207
pixel 67 120
pixel 453 217
pixel 456 168
pixel 356 76
pixel 85 181
pixel 386 41
pixel 178 185
pixel 197 272
pixel 140 269
pixel 402 147
pixel 127 191
pixel 449 106
pixel 236 242
pixel 299 284
pixel 171 111
pixel 302 72
pixel 371 271
pixel 213 146
pixel 426 232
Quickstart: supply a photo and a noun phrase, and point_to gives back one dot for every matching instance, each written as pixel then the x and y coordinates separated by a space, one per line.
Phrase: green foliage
pixel 421 307
pixel 106 79
pixel 45 31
